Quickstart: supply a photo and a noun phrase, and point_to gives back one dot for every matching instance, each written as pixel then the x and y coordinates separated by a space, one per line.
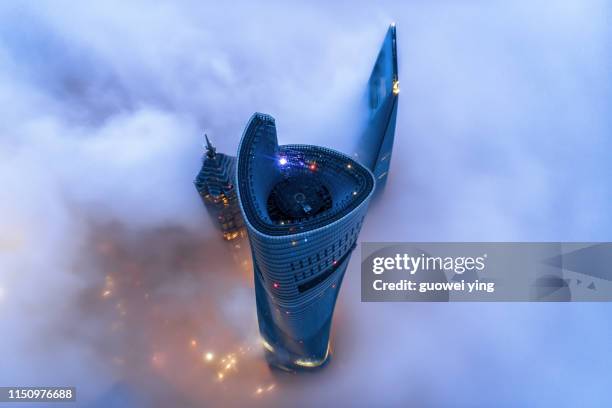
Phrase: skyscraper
pixel 215 184
pixel 303 207
pixel 375 146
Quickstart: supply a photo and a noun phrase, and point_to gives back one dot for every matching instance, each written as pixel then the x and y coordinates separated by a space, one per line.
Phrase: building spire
pixel 210 149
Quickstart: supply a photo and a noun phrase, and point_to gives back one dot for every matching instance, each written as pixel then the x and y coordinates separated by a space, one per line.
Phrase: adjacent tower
pixel 375 146
pixel 303 207
pixel 215 184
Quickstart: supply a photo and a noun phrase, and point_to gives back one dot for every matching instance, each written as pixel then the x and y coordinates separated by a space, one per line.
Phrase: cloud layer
pixel 503 134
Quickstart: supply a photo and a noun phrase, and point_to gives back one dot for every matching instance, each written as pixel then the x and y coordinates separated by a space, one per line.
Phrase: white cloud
pixel 503 134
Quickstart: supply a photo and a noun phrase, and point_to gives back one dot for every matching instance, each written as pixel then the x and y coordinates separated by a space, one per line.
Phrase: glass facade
pixel 375 146
pixel 215 184
pixel 303 207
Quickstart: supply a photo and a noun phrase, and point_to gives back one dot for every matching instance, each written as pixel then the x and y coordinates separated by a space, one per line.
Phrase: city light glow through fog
pixel 112 278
